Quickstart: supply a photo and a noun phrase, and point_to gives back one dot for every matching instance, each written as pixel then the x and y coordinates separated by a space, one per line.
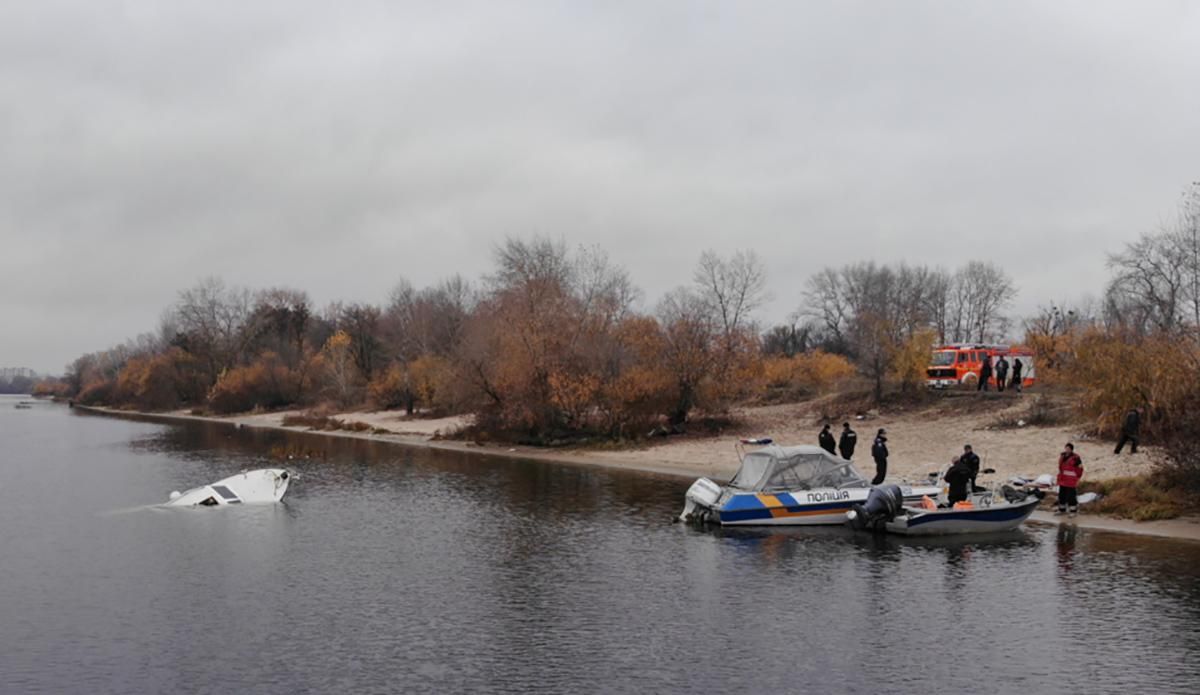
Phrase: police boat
pixel 887 509
pixel 248 487
pixel 785 486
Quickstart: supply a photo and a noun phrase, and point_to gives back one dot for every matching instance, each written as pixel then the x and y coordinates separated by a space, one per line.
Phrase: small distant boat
pixel 986 512
pixel 785 486
pixel 24 406
pixel 249 487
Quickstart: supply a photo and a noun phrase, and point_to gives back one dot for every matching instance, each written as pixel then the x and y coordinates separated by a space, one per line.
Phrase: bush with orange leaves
pixel 51 388
pixel 424 381
pixel 98 391
pixel 1156 373
pixel 265 383
pixel 806 374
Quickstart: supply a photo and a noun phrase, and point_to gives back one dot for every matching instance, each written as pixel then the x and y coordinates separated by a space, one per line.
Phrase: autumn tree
pixel 337 363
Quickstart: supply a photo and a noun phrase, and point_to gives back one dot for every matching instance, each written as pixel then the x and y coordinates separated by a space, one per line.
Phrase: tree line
pixel 553 342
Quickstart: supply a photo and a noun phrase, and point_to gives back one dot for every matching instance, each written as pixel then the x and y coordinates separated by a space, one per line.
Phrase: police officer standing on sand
pixel 879 452
pixel 848 441
pixel 825 439
pixel 1001 373
pixel 970 460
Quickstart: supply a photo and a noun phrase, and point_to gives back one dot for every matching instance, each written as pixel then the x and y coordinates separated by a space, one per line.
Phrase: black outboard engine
pixel 882 505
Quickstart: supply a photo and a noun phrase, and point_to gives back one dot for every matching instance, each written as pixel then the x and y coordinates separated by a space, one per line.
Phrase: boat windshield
pixel 943 359
pixel 782 470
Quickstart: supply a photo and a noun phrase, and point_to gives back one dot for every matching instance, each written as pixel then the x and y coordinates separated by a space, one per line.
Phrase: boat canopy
pixel 795 468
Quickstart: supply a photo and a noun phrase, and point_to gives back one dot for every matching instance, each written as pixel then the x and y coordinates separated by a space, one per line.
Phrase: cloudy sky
pixel 337 147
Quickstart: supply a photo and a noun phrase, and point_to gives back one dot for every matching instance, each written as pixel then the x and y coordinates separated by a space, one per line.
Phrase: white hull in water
pixel 785 486
pixel 248 487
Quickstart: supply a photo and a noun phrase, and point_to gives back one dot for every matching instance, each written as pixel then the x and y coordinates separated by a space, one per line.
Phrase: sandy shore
pixel 918 442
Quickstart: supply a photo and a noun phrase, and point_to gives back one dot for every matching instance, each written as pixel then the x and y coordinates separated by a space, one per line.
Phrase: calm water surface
pixel 390 570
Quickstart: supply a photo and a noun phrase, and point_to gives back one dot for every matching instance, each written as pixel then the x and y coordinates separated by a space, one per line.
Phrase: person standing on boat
pixel 958 476
pixel 971 460
pixel 848 441
pixel 1070 472
pixel 1129 431
pixel 825 439
pixel 879 452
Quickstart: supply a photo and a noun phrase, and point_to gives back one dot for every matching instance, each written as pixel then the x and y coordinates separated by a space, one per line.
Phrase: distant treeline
pixel 17 384
pixel 552 344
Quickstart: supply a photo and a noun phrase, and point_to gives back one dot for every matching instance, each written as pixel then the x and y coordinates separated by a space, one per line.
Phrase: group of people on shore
pixel 849 440
pixel 1001 374
pixel 964 468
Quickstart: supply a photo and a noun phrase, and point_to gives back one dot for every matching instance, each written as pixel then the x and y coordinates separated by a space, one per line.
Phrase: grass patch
pixel 1140 498
pixel 1041 411
pixel 324 423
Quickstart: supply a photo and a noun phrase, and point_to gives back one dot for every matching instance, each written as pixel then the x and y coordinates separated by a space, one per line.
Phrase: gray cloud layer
pixel 336 148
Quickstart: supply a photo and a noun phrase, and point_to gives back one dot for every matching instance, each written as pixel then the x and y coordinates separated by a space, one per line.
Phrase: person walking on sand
pixel 1129 431
pixel 848 441
pixel 1017 368
pixel 970 460
pixel 1001 373
pixel 825 439
pixel 879 452
pixel 1070 472
pixel 985 374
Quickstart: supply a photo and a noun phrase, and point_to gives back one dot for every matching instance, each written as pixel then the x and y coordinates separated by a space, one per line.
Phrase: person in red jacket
pixel 1070 472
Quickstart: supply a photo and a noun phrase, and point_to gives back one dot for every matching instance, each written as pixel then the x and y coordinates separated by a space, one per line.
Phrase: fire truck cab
pixel 952 365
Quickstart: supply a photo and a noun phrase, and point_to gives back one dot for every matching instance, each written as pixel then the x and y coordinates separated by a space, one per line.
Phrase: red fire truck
pixel 953 365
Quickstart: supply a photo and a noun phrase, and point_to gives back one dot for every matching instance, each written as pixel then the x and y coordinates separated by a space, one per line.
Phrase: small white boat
pixel 887 510
pixel 785 486
pixel 247 487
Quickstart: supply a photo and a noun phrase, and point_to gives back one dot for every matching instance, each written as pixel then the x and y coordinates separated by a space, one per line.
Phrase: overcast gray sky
pixel 336 147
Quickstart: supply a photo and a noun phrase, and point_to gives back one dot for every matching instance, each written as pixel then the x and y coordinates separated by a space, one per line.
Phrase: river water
pixel 389 569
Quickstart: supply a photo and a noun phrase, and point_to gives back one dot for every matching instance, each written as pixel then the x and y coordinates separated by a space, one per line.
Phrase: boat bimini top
pixel 795 468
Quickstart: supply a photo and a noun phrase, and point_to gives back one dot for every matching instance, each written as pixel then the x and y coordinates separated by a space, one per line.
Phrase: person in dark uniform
pixel 958 477
pixel 1129 431
pixel 971 460
pixel 825 439
pixel 1001 373
pixel 848 441
pixel 879 452
pixel 985 374
pixel 1018 367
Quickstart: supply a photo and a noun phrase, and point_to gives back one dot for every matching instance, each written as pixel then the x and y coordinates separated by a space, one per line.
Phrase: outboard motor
pixel 882 505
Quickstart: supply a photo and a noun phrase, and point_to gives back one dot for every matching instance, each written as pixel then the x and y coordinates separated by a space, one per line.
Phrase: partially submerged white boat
pixel 785 486
pixel 886 509
pixel 248 487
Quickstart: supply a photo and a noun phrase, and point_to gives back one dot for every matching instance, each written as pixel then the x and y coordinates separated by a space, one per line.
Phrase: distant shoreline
pixel 1185 528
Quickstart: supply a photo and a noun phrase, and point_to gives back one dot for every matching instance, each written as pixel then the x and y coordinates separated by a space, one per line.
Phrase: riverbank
pixel 716 457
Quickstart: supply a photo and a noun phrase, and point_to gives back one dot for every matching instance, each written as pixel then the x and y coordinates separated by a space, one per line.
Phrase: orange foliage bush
pixel 425 381
pixel 266 383
pixel 1157 373
pixel 51 388
pixel 805 374
pixel 98 392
